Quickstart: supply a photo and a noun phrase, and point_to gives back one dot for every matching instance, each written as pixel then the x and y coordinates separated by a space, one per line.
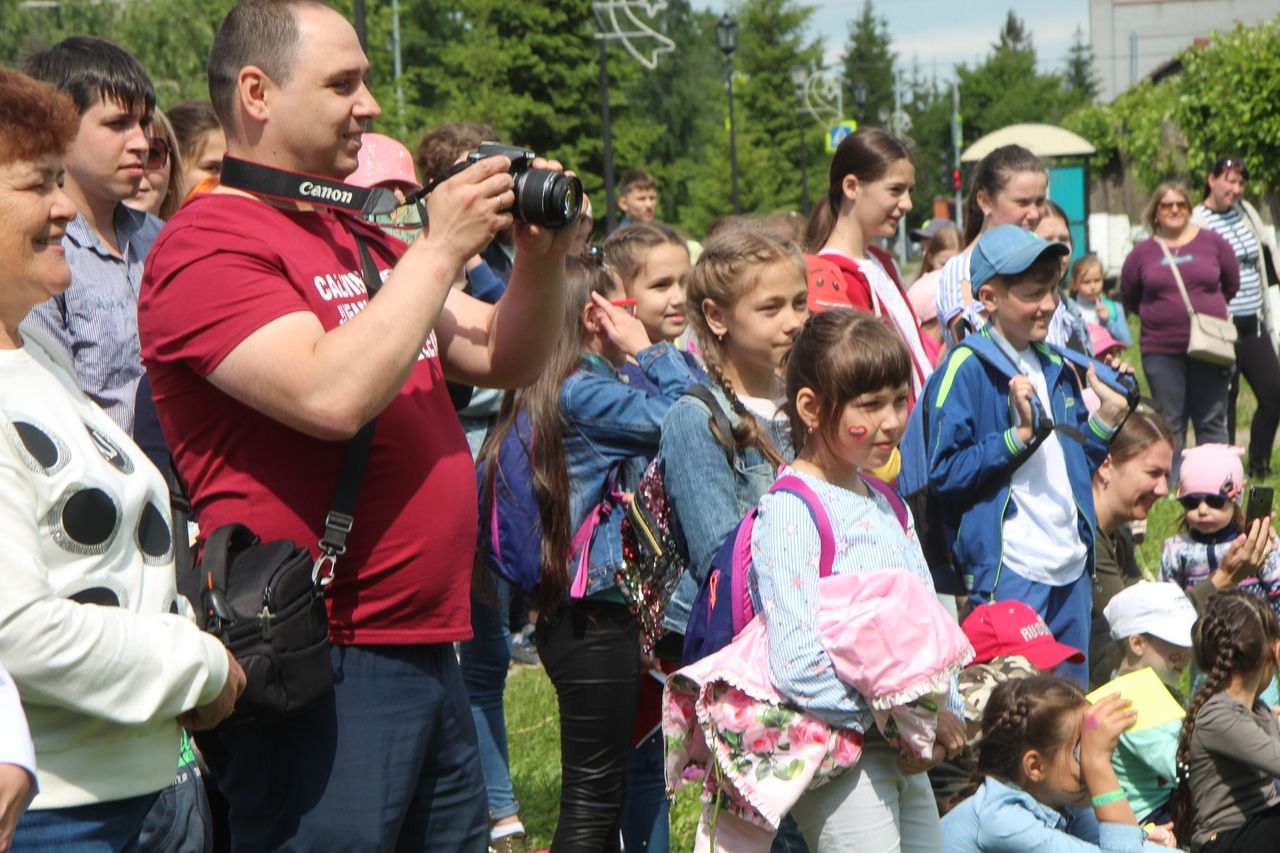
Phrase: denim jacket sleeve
pixel 699 483
pixel 785 550
pixel 961 460
pixel 1011 828
pixel 620 420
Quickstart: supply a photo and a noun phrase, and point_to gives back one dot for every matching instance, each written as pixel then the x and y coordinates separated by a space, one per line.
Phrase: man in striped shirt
pixel 95 322
pixel 1225 211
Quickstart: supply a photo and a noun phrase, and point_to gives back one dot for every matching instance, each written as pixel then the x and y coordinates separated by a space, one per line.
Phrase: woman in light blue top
pixel 1050 786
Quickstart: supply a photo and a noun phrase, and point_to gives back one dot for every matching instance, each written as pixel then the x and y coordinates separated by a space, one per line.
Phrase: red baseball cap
pixel 1013 628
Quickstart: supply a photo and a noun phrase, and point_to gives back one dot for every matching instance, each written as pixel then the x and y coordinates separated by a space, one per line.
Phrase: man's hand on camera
pixel 465 211
pixel 537 241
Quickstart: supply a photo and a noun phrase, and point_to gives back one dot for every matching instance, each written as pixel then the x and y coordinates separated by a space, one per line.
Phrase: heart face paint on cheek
pixel 858 431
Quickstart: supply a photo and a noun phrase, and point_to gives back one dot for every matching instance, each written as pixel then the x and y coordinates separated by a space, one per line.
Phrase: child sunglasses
pixel 1191 502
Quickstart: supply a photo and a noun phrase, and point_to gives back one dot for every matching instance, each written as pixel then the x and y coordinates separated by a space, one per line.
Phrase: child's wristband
pixel 1108 798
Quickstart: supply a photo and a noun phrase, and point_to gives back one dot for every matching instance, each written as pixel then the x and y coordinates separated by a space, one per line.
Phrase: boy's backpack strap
pixel 899 508
pixel 704 395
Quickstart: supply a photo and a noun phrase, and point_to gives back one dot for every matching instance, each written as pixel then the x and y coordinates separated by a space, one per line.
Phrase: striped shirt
pixel 784 588
pixel 95 323
pixel 1232 227
pixel 951 297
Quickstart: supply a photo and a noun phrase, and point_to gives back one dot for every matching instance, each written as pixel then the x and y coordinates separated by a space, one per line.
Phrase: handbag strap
pixel 341 517
pixel 1177 276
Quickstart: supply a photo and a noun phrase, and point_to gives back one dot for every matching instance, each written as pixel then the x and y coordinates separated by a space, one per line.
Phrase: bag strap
pixel 213 560
pixel 739 596
pixel 1177 276
pixel 580 547
pixel 899 508
pixel 341 517
pixel 704 395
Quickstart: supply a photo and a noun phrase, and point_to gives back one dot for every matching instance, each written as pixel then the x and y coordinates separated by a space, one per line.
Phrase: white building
pixel 1132 38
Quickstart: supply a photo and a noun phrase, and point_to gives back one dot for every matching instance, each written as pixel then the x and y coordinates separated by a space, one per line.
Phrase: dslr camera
pixel 545 198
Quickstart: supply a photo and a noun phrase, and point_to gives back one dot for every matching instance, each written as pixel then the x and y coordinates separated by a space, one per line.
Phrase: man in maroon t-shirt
pixel 266 356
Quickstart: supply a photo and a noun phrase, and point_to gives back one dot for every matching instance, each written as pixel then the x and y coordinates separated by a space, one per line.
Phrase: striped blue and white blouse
pixel 1232 227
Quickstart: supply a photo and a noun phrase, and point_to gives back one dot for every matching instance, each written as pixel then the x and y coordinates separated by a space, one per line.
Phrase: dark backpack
pixel 723 606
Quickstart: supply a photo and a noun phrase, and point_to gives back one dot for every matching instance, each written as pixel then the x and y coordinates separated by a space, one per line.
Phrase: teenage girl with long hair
pixel 869 191
pixel 1229 752
pixel 1008 187
pixel 589 434
pixel 1048 784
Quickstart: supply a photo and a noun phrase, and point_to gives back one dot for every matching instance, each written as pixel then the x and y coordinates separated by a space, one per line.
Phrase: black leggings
pixel 1260 835
pixel 591 652
pixel 1256 359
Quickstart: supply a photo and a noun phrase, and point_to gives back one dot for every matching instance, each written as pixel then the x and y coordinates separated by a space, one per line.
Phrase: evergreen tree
pixel 1014 35
pixel 1079 78
pixel 868 68
pixel 1006 88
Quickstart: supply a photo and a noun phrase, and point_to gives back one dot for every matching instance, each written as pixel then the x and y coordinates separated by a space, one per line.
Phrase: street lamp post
pixel 799 74
pixel 727 39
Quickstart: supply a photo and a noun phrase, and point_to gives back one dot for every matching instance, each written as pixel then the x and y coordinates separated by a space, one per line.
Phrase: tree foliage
pixel 869 60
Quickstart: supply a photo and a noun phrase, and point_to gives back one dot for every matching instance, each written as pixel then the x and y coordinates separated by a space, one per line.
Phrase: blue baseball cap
pixel 1008 250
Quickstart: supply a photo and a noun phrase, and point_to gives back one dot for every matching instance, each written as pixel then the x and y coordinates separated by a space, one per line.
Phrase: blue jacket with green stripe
pixel 967 458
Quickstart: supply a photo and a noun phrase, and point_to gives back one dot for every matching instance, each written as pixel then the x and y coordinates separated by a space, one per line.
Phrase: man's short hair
pixel 441 146
pixel 35 118
pixel 90 69
pixel 636 179
pixel 262 33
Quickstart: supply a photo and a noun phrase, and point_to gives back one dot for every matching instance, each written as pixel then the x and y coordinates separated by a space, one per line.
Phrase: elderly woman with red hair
pixel 90 624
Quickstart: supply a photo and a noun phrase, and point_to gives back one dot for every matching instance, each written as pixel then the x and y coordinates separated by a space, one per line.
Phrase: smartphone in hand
pixel 1258 505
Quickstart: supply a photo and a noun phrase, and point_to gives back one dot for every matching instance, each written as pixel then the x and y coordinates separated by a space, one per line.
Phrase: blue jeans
pixel 180 821
pixel 1185 389
pixel 1067 610
pixel 646 824
pixel 485 659
pixel 110 827
pixel 387 762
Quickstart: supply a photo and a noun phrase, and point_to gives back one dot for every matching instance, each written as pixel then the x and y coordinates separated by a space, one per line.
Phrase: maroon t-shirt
pixel 225 266
pixel 1210 272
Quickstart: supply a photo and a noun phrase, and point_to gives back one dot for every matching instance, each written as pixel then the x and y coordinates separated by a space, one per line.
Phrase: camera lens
pixel 551 199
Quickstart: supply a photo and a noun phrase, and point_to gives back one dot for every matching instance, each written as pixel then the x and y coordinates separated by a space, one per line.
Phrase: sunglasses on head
pixel 1190 502
pixel 1174 205
pixel 1230 163
pixel 157 153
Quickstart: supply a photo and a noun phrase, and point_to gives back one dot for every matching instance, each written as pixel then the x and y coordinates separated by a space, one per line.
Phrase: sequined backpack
pixel 653 557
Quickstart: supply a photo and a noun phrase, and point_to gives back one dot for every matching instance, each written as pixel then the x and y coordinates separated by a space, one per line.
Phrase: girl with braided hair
pixel 1229 752
pixel 748 299
pixel 1049 785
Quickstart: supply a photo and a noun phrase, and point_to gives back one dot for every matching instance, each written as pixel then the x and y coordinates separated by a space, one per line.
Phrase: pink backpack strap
pixel 580 547
pixel 899 508
pixel 743 611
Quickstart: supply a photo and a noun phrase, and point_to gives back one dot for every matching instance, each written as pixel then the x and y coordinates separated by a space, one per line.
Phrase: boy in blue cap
pixel 1012 449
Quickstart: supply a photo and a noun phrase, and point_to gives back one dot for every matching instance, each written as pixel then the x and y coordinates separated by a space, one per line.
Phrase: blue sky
pixel 947 32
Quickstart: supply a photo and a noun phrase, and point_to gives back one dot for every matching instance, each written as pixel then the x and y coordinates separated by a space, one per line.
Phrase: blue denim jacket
pixel 608 423
pixel 1002 818
pixel 708 498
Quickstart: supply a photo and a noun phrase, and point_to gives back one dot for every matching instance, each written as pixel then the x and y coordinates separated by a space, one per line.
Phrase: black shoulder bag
pixel 265 600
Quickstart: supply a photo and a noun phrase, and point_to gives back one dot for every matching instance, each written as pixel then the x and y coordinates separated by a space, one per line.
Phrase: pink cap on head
pixel 384 162
pixel 924 294
pixel 1212 469
pixel 1102 340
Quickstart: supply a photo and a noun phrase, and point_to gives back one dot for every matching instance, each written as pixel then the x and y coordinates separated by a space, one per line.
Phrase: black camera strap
pixel 307 189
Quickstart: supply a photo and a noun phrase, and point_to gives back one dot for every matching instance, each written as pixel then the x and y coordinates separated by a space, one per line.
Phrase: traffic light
pixel 955 179
pixel 944 168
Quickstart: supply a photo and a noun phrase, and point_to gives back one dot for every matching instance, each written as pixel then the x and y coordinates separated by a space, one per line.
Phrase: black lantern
pixel 727 34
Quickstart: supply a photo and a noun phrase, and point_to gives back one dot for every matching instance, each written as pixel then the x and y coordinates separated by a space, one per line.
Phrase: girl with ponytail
pixel 1049 785
pixel 747 300
pixel 1008 188
pixel 1229 752
pixel 869 191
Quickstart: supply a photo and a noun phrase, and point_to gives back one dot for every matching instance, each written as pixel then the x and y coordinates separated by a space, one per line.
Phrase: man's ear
pixel 252 89
pixel 715 317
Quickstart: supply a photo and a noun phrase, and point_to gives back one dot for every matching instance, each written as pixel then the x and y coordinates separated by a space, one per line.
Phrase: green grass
pixel 533 723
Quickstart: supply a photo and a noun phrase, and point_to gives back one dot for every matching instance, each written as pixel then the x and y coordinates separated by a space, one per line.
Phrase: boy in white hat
pixel 1152 622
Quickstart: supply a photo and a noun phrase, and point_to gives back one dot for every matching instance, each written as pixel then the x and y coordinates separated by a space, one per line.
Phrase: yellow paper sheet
pixel 1151 699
